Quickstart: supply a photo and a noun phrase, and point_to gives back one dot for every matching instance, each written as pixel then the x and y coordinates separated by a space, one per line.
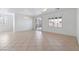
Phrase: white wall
pixel 78 25
pixel 69 21
pixel 22 22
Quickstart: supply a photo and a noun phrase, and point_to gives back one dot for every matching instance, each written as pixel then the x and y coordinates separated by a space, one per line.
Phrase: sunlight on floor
pixel 39 34
pixel 4 40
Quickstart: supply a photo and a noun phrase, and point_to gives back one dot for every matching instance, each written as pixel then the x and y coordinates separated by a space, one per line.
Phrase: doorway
pixel 7 22
pixel 38 24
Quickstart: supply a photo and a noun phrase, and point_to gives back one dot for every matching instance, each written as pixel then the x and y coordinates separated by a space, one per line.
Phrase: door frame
pixel 13 16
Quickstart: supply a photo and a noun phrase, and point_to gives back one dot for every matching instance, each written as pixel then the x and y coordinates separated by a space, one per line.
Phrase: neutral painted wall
pixel 34 23
pixel 69 21
pixel 22 22
pixel 78 25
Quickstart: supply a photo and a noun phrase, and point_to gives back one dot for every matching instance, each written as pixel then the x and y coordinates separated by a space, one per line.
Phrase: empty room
pixel 39 29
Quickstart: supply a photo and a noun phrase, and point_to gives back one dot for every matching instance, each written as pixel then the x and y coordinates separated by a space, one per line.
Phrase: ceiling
pixel 28 11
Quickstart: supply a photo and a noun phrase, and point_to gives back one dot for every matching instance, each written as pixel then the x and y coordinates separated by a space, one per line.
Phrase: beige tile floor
pixel 37 41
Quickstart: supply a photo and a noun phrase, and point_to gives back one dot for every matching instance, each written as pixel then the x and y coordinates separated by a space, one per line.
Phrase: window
pixel 55 22
pixel 3 19
pixel 60 22
pixel 51 22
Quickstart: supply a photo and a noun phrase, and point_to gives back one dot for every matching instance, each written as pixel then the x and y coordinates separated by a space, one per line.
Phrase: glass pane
pixel 59 22
pixel 51 21
pixel 55 22
pixel 50 24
